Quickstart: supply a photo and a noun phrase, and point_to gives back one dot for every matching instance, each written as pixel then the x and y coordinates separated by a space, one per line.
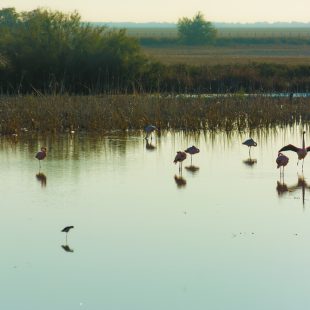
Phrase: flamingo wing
pixel 289 147
pixel 308 148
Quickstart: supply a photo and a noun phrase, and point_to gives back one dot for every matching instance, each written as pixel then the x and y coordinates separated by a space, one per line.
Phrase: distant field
pixel 226 32
pixel 289 55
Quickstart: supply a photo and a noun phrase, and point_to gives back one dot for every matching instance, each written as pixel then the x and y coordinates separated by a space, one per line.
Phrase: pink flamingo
pixel 41 155
pixel 301 152
pixel 282 161
pixel 192 151
pixel 179 158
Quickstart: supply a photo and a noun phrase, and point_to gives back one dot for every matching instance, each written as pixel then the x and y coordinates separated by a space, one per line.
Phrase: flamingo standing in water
pixel 41 155
pixel 149 129
pixel 282 161
pixel 179 158
pixel 250 142
pixel 301 152
pixel 192 151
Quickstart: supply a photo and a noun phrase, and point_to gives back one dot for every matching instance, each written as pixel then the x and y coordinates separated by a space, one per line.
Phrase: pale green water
pixel 225 240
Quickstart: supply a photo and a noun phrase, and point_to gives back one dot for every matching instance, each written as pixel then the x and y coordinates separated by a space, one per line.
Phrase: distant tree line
pixel 44 51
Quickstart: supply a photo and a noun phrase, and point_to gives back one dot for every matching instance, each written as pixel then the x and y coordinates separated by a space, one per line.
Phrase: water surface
pixel 226 234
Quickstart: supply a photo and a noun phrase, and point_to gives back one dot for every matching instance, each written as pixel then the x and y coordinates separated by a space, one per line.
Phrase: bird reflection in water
pixel 283 188
pixel 250 162
pixel 192 169
pixel 67 248
pixel 180 181
pixel 41 177
pixel 149 146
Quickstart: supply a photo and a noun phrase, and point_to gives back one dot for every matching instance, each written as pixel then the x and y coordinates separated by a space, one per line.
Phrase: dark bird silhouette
pixel 192 151
pixel 149 129
pixel 281 161
pixel 41 155
pixel 301 152
pixel 67 229
pixel 250 142
pixel 179 158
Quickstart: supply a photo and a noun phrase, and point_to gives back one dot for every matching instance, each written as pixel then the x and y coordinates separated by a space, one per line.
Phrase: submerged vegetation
pixel 48 114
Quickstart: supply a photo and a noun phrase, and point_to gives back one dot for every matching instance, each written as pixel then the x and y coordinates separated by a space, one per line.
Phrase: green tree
pixel 51 51
pixel 196 30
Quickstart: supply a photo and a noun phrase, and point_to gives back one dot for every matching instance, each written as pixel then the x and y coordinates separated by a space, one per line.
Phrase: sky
pixel 170 10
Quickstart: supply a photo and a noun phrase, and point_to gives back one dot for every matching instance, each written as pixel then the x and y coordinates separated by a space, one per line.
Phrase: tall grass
pixel 123 112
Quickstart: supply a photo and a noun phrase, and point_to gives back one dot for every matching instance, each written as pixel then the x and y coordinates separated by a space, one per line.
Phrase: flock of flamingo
pixel 282 160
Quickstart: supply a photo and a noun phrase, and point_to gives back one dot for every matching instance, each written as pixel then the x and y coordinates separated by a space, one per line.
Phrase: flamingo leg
pixel 302 168
pixel 191 159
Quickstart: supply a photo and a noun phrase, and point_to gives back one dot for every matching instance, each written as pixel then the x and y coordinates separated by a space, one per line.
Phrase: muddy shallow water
pixel 224 234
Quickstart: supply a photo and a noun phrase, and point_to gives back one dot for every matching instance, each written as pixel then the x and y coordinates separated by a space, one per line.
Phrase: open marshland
pixel 246 54
pixel 146 236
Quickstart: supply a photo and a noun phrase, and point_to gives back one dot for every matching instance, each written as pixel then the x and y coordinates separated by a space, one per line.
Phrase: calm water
pixel 225 235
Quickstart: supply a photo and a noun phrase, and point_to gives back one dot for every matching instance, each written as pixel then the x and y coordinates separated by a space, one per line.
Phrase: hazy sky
pixel 171 10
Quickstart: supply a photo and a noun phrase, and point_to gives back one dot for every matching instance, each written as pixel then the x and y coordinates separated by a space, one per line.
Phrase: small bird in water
pixel 282 161
pixel 192 151
pixel 41 155
pixel 301 152
pixel 179 158
pixel 250 142
pixel 149 129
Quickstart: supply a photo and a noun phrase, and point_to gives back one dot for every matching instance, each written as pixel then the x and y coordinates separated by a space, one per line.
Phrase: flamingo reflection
pixel 180 181
pixel 250 162
pixel 192 169
pixel 149 146
pixel 302 184
pixel 41 177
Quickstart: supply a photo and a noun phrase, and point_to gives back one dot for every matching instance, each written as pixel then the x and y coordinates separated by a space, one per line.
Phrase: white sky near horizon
pixel 170 10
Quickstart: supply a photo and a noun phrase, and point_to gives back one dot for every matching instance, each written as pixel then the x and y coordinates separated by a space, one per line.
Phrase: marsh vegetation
pixel 130 112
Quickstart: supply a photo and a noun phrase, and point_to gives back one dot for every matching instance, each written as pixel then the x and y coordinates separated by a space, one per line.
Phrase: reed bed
pixel 64 113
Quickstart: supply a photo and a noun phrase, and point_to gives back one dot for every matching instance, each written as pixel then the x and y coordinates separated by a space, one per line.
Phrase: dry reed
pixel 127 112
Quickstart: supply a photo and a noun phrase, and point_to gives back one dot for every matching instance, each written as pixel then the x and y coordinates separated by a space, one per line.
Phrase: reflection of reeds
pixel 100 113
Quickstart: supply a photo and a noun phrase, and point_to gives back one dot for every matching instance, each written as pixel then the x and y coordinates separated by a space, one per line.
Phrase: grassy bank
pixel 46 114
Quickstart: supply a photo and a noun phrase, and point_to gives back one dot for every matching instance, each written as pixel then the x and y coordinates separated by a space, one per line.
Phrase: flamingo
pixel 282 161
pixel 149 129
pixel 250 142
pixel 41 155
pixel 179 158
pixel 192 151
pixel 301 152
